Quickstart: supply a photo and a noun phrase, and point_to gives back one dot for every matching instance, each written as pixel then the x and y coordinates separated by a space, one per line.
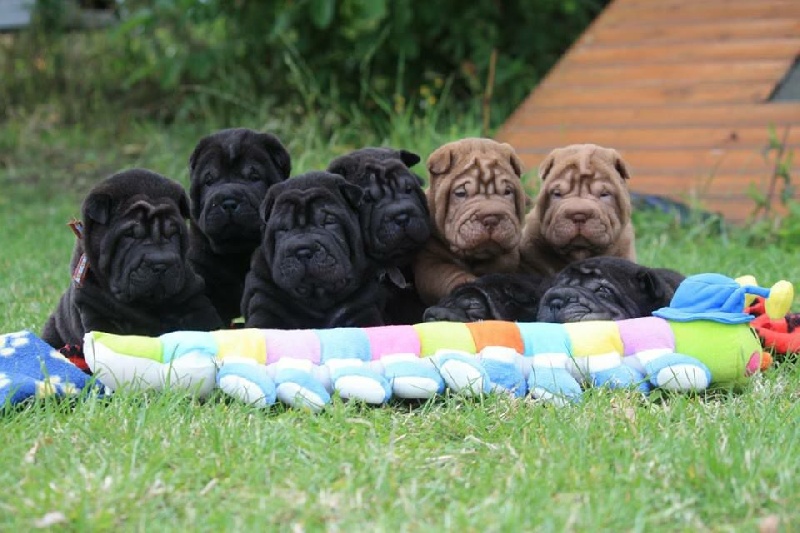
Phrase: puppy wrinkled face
pixel 581 212
pixel 143 252
pixel 482 219
pixel 467 305
pixel 308 242
pixel 394 213
pixel 584 292
pixel 230 178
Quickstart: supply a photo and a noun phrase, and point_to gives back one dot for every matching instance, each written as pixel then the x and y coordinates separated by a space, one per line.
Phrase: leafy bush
pixel 374 55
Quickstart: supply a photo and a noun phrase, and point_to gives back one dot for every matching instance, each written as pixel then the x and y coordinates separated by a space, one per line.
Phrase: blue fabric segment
pixel 26 361
pixel 672 359
pixel 454 381
pixel 621 377
pixel 366 373
pixel 543 337
pixel 255 374
pixel 343 343
pixel 305 380
pixel 556 381
pixel 179 343
pixel 414 369
pixel 506 376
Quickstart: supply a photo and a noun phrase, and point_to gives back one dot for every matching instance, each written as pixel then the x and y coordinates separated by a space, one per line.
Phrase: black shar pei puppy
pixel 606 288
pixel 513 297
pixel 137 280
pixel 310 270
pixel 231 171
pixel 395 222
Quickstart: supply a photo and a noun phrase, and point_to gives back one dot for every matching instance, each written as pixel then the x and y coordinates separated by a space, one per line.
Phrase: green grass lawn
pixel 722 461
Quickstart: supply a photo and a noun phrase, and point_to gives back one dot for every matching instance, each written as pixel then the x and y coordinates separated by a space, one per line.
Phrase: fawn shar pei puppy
pixel 583 210
pixel 477 204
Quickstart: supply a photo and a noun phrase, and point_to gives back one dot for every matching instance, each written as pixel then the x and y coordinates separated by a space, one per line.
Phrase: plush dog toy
pixel 702 339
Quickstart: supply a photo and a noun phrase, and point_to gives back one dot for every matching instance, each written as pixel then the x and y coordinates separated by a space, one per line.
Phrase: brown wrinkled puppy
pixel 477 204
pixel 583 210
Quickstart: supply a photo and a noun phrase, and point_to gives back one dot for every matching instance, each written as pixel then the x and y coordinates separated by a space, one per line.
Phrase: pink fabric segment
pixel 648 333
pixel 294 343
pixel 386 340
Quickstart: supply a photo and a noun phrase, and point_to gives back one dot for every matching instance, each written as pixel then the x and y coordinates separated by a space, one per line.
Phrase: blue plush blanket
pixel 31 368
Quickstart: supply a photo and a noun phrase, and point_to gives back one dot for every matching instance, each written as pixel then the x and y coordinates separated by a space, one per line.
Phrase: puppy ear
pixel 278 153
pixel 409 159
pixel 620 166
pixel 514 160
pixel 546 166
pixel 265 209
pixel 183 206
pixel 352 193
pixel 97 207
pixel 651 285
pixel 338 166
pixel 440 161
pixel 202 145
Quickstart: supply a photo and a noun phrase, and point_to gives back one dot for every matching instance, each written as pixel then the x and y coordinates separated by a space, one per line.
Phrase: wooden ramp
pixel 682 89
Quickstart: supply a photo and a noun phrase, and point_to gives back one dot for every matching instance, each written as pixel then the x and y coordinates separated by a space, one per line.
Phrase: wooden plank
pixel 676 162
pixel 709 30
pixel 754 137
pixel 684 12
pixel 750 49
pixel 687 93
pixel 778 113
pixel 718 71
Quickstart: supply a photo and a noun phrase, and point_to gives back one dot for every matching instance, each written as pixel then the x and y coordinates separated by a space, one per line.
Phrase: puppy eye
pixel 509 191
pixel 409 188
pixel 208 178
pixel 603 291
pixel 170 228
pixel 605 194
pixel 555 193
pixel 136 231
pixel 461 192
pixel 253 175
pixel 330 221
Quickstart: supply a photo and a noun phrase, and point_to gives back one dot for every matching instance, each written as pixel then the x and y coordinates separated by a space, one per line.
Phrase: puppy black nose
pixel 401 219
pixel 230 205
pixel 304 253
pixel 490 221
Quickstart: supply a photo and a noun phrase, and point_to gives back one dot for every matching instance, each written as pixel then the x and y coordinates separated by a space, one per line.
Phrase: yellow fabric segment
pixel 246 343
pixel 133 345
pixel 594 337
pixel 444 335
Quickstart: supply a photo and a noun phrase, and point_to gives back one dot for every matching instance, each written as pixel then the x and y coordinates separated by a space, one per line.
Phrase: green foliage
pixel 166 55
pixel 776 214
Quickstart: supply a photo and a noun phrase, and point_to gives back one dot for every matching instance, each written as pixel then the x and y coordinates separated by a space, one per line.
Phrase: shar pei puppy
pixel 513 297
pixel 310 270
pixel 583 209
pixel 395 222
pixel 130 270
pixel 477 205
pixel 606 288
pixel 231 171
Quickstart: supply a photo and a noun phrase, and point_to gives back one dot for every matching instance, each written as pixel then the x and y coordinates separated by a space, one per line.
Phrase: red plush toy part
pixel 781 335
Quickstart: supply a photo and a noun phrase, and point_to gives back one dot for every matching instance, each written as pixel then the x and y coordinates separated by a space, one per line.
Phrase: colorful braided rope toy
pixel 702 339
